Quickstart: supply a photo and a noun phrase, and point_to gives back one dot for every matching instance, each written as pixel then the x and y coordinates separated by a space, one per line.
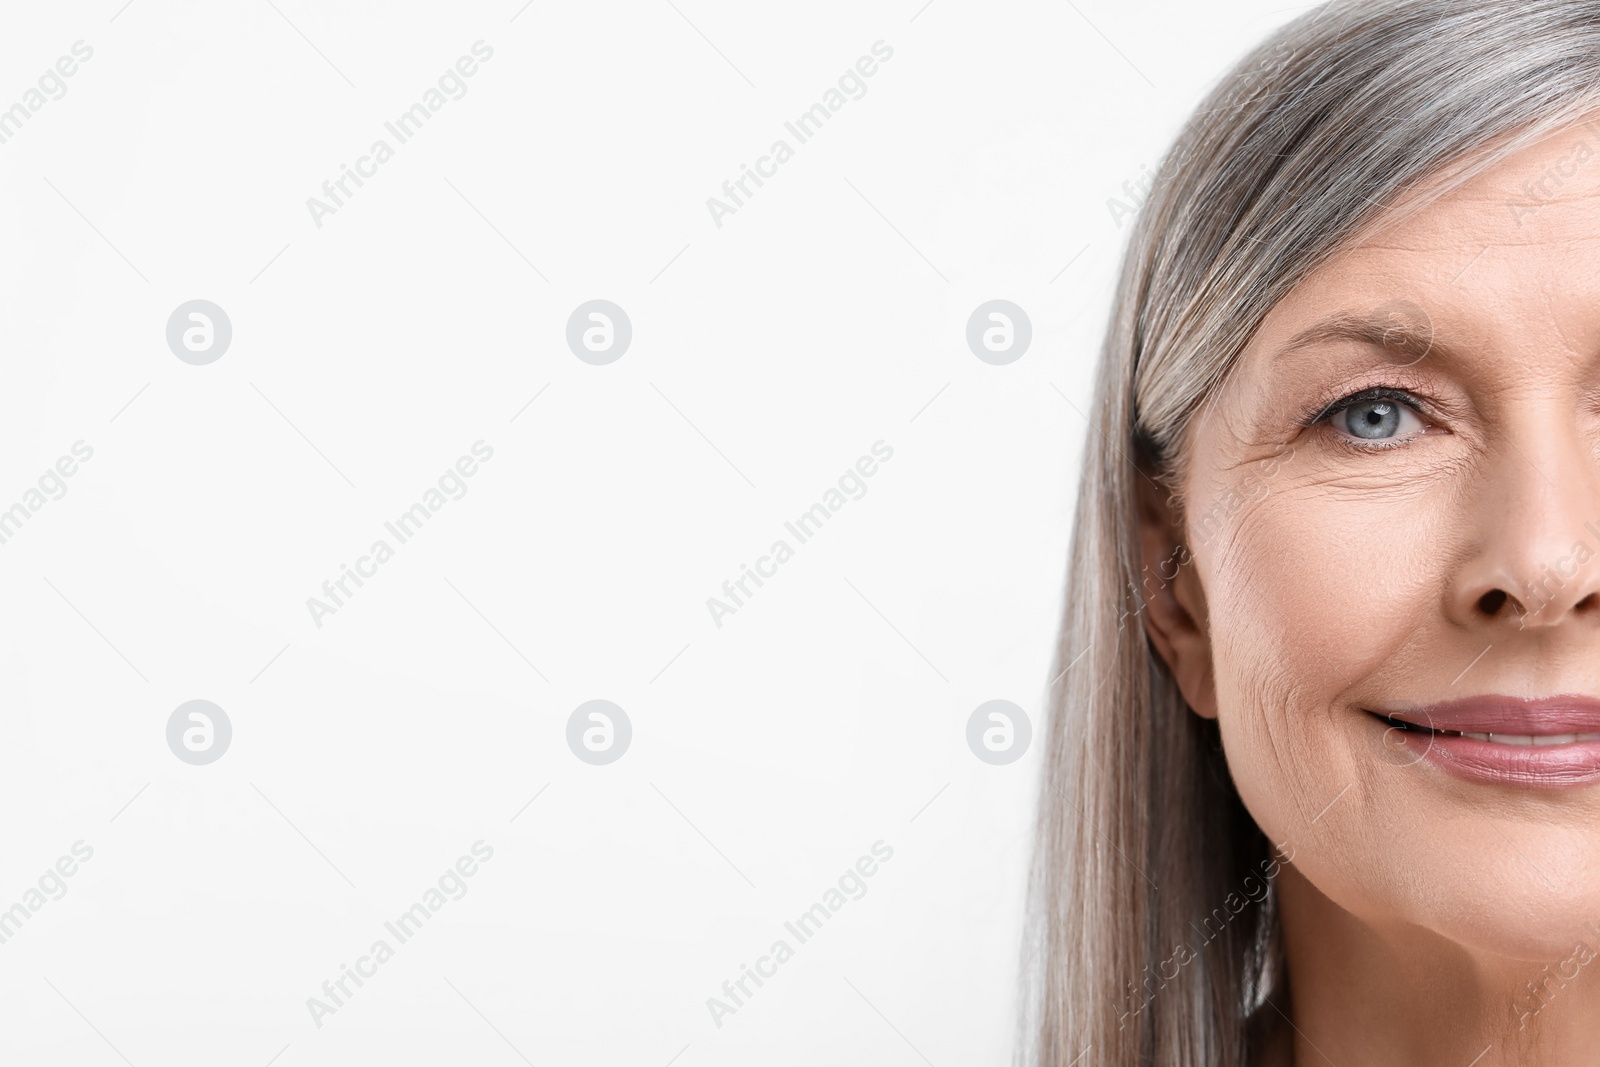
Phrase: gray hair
pixel 1348 118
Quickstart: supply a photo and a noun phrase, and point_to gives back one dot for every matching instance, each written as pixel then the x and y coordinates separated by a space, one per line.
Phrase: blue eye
pixel 1375 418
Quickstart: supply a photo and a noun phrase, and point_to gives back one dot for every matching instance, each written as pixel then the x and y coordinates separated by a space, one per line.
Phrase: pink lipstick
pixel 1505 740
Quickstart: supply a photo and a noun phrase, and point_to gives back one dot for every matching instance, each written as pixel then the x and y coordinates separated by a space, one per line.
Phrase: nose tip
pixel 1533 537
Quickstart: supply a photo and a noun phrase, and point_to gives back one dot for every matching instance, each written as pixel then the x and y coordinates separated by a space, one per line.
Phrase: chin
pixel 1507 887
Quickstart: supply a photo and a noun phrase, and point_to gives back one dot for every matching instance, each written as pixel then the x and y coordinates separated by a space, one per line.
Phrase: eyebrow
pixel 1410 340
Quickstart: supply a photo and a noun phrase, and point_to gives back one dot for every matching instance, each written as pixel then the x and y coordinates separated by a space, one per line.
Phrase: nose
pixel 1535 561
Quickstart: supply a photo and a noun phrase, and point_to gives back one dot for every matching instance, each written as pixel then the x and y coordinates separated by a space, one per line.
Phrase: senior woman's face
pixel 1393 507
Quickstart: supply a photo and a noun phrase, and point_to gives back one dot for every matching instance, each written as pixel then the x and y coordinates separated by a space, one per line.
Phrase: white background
pixel 768 354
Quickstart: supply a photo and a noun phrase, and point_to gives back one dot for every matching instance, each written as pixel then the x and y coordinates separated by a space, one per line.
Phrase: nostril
pixel 1491 602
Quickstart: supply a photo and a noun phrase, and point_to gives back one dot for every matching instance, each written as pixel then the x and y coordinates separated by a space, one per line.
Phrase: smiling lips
pixel 1549 741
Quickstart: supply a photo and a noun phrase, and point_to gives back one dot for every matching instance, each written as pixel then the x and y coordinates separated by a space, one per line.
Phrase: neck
pixel 1401 995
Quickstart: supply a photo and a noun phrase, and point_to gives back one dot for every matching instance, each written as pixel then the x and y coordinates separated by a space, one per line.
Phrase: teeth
pixel 1532 740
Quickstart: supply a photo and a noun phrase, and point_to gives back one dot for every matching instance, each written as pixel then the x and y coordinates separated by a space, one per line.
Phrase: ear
pixel 1174 613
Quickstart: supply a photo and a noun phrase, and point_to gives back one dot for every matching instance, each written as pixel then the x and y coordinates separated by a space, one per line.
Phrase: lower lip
pixel 1574 763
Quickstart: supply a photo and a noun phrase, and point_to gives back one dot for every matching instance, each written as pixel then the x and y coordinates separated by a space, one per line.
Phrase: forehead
pixel 1544 192
pixel 1511 257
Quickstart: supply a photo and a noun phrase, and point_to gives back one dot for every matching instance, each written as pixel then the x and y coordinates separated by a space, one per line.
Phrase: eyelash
pixel 1321 412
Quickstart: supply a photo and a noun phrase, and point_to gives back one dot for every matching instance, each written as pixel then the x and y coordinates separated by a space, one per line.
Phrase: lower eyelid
pixel 1365 444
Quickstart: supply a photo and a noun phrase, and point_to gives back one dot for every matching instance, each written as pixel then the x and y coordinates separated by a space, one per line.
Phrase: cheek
pixel 1325 585
pixel 1315 594
pixel 1324 597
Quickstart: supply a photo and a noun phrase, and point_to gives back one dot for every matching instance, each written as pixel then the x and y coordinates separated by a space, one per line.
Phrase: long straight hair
pixel 1351 116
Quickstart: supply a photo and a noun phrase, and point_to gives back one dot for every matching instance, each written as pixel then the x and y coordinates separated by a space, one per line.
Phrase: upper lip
pixel 1531 716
